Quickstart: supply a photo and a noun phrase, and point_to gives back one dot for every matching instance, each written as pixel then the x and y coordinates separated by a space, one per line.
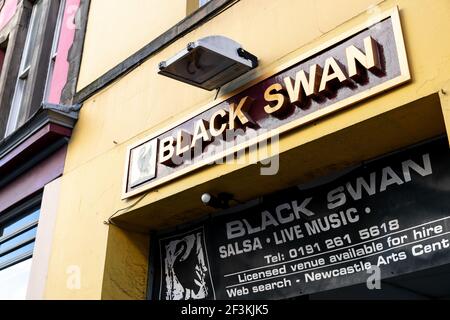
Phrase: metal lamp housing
pixel 209 63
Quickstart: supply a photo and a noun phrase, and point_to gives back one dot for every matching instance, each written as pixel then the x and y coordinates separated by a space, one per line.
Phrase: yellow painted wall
pixel 142 102
pixel 121 28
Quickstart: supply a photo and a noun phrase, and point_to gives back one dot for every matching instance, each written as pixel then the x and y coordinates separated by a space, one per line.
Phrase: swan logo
pixel 186 273
pixel 143 163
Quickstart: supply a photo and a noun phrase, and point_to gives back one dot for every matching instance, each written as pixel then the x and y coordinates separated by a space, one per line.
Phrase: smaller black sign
pixel 390 217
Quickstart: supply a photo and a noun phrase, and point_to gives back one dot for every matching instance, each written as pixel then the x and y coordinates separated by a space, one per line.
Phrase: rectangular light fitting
pixel 209 63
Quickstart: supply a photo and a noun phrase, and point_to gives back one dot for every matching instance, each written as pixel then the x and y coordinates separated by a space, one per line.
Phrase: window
pixel 17 236
pixel 17 112
pixel 192 5
pixel 54 52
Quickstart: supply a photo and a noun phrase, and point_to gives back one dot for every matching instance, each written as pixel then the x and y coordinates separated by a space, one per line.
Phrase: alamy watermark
pixel 237 147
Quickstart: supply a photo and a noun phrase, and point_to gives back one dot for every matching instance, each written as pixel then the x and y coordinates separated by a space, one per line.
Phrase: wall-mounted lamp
pixel 209 63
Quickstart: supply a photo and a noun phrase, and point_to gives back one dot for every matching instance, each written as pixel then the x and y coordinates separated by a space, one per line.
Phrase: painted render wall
pixel 122 28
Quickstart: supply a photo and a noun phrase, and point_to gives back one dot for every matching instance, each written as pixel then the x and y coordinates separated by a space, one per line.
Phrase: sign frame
pixel 403 77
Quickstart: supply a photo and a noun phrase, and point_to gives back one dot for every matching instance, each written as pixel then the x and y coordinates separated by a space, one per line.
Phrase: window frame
pixel 17 103
pixel 29 206
pixel 28 90
pixel 194 5
pixel 201 3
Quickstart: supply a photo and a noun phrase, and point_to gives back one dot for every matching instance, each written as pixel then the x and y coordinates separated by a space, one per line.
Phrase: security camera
pixel 217 202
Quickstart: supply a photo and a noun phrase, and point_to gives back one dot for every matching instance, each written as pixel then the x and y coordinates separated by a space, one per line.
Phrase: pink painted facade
pixel 7 12
pixel 61 70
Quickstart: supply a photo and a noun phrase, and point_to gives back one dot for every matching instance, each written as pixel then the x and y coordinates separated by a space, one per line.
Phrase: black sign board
pixel 390 216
